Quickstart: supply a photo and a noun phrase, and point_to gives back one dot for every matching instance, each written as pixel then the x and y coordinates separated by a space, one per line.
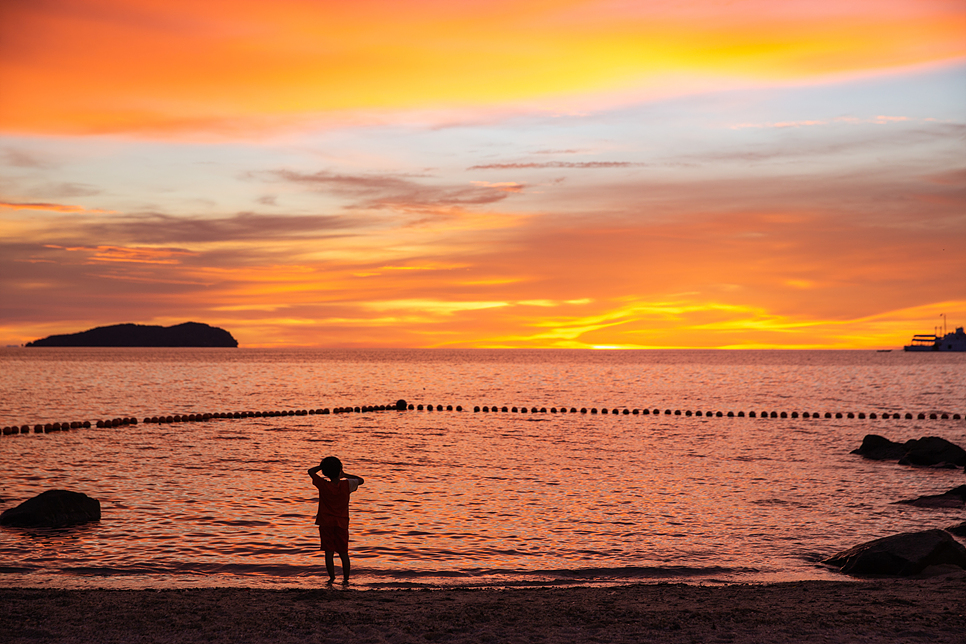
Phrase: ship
pixel 955 341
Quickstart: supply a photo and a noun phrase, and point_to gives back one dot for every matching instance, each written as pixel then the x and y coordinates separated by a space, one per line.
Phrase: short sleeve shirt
pixel 334 501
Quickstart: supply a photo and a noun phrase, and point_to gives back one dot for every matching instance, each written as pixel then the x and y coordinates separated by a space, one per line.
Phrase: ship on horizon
pixel 955 341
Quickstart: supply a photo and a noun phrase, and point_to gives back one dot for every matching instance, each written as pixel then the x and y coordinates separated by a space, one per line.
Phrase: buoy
pixel 908 416
pixel 459 407
pixel 955 416
pixel 741 414
pixel 699 413
pixel 731 414
pixel 476 408
pixel 419 407
pixel 449 408
pixel 828 414
pixel 687 413
pixel 895 416
pixel 718 414
pixel 543 410
pixel 636 411
pixel 503 409
pixel 626 412
pixel 593 410
pixel 583 410
pixel 932 416
pixel 872 416
pixel 861 414
pixel 945 417
pixel 677 412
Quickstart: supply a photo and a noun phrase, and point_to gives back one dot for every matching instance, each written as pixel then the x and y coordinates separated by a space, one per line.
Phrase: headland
pixel 189 334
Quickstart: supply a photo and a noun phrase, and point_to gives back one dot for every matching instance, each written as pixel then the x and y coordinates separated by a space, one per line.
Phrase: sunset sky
pixel 534 173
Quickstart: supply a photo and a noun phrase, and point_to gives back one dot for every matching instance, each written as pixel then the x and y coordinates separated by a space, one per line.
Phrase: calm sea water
pixel 461 497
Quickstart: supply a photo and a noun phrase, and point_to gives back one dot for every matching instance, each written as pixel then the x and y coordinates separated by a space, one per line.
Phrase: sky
pixel 536 173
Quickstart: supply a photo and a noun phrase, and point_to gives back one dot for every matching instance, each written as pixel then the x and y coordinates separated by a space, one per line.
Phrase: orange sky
pixel 539 173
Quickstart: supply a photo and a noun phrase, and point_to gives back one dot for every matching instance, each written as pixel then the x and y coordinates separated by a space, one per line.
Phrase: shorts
pixel 334 539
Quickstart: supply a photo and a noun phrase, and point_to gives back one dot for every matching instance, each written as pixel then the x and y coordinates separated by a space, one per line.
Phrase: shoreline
pixel 857 610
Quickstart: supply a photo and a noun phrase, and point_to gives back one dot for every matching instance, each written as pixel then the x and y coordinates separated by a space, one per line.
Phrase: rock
pixel 958 530
pixel 880 448
pixel 932 451
pixel 53 509
pixel 901 555
pixel 928 451
pixel 954 498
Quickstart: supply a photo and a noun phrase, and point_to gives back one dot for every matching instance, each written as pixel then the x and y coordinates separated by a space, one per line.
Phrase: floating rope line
pixel 402 405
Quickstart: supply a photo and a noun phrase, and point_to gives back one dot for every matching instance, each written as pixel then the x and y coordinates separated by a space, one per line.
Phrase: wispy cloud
pixel 582 165
pixel 401 192
pixel 49 207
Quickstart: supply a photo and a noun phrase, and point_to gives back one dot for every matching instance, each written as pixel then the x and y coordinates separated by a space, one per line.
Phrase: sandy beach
pixel 919 610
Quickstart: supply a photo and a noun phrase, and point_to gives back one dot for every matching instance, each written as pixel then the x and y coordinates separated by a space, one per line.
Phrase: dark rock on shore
pixel 928 451
pixel 53 509
pixel 954 498
pixel 189 334
pixel 901 555
pixel 958 530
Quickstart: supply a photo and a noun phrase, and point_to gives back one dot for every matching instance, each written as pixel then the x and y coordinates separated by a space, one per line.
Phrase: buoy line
pixel 402 405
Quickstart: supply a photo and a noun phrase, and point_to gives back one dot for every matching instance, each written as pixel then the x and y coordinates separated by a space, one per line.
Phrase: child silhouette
pixel 333 515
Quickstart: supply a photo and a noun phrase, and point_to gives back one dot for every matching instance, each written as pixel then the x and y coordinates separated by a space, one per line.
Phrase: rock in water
pixel 53 509
pixel 901 555
pixel 880 448
pixel 954 498
pixel 928 451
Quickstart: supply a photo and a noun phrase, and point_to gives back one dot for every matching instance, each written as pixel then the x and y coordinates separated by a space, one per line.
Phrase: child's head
pixel 331 467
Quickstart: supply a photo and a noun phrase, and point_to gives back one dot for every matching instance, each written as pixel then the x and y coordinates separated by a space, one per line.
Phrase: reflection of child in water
pixel 333 515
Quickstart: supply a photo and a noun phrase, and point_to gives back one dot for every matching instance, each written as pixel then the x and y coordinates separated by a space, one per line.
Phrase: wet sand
pixel 919 610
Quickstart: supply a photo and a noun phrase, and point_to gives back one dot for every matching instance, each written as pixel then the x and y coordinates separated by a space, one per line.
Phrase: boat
pixel 955 341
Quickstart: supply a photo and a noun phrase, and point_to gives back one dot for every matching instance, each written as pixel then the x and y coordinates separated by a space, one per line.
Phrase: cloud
pixel 389 191
pixel 583 165
pixel 19 159
pixel 876 120
pixel 158 228
pixel 50 207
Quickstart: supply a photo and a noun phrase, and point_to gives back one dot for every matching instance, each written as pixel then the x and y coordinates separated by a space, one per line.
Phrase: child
pixel 333 515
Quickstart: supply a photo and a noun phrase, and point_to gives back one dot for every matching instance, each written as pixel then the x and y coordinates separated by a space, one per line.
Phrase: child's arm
pixel 313 471
pixel 358 479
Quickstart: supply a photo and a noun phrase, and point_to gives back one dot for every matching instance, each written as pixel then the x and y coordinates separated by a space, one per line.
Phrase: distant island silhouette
pixel 189 334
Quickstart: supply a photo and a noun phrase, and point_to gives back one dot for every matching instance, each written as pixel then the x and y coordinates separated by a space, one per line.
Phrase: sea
pixel 535 496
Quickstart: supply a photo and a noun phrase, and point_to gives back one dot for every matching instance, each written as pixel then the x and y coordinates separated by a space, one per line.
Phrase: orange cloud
pixel 174 65
pixel 50 207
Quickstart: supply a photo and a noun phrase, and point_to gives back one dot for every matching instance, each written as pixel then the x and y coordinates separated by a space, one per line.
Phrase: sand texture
pixel 922 610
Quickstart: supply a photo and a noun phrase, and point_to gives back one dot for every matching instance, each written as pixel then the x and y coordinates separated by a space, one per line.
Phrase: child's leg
pixel 330 565
pixel 344 556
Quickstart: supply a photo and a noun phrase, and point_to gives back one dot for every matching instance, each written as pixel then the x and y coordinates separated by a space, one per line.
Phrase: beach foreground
pixel 920 610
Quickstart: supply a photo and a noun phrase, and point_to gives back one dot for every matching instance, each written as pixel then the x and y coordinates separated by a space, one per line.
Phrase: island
pixel 189 334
